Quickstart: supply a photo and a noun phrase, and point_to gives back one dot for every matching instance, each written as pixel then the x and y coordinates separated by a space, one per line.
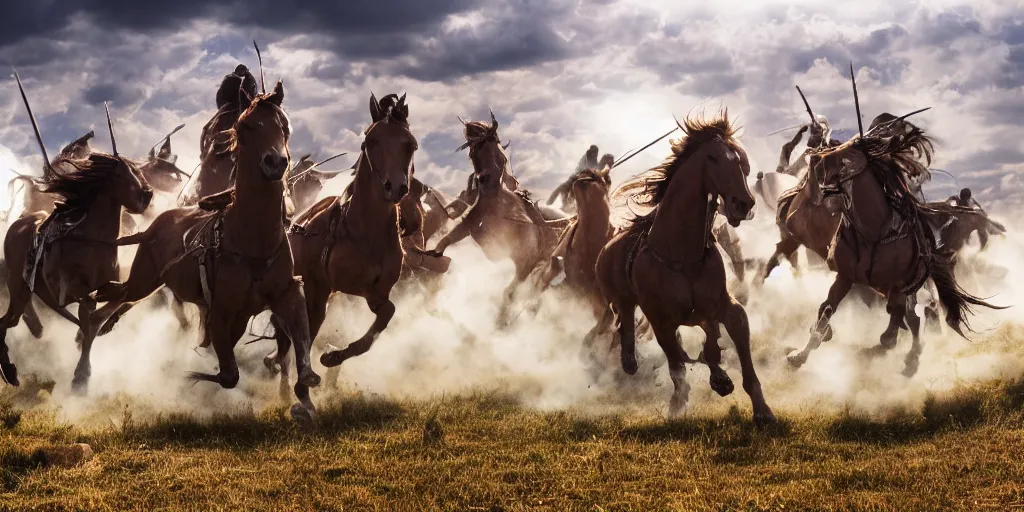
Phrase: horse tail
pixel 957 302
pixel 135 239
pixel 995 228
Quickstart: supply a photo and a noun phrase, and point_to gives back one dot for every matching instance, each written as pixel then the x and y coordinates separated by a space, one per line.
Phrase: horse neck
pixel 257 209
pixel 594 213
pixel 812 181
pixel 368 209
pixel 103 218
pixel 869 210
pixel 680 225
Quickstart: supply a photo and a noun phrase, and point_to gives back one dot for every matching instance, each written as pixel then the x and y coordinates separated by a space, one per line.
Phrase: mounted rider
pixel 964 200
pixel 229 106
pixel 589 161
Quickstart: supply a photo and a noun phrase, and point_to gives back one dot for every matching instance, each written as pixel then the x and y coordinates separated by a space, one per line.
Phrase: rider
pixel 588 161
pixel 229 105
pixel 964 200
pixel 820 136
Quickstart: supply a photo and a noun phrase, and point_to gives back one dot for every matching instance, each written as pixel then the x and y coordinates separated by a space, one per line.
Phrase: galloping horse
pixel 66 255
pixel 883 240
pixel 231 255
pixel 666 261
pixel 353 246
pixel 503 221
pixel 575 257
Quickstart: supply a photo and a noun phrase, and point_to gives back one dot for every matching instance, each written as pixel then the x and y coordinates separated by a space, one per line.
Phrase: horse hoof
pixel 911 367
pixel 9 372
pixel 332 358
pixel 827 336
pixel 629 364
pixel 303 416
pixel 676 408
pixel 764 418
pixel 887 340
pixel 309 378
pixel 80 386
pixel 797 359
pixel 721 383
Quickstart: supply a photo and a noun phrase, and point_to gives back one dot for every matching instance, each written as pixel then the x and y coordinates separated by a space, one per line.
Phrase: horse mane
pixel 479 131
pixel 80 187
pixel 231 134
pixel 648 189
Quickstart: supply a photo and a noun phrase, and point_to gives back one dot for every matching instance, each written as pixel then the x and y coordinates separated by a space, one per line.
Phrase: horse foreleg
pixel 712 356
pixel 665 333
pixel 627 337
pixel 896 306
pixel 290 308
pixel 20 296
pixel 786 247
pixel 86 310
pixel 384 310
pixel 31 318
pixel 457 234
pixel 735 321
pixel 914 323
pixel 178 308
pixel 224 332
pixel 822 330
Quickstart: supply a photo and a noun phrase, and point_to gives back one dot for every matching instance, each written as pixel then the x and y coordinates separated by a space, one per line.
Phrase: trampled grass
pixel 485 451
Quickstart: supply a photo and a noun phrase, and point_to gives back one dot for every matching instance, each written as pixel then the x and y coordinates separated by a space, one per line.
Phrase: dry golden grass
pixel 960 451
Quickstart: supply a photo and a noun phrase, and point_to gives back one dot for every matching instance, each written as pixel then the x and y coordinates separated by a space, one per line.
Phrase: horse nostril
pixel 387 186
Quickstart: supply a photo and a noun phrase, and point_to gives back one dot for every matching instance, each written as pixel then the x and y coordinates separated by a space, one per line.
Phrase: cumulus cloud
pixel 559 75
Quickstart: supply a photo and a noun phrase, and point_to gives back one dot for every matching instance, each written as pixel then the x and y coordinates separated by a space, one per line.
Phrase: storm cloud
pixel 559 75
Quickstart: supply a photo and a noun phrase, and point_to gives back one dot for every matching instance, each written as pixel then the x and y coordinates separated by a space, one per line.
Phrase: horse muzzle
pixel 274 165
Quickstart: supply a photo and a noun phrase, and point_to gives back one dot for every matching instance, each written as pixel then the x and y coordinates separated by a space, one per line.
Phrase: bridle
pixel 366 154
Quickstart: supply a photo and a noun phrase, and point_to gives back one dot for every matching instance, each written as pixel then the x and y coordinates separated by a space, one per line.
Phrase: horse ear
pixel 277 97
pixel 152 153
pixel 375 114
pixel 494 122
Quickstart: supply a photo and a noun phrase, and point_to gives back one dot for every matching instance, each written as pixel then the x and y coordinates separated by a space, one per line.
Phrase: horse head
pixel 263 130
pixel 490 162
pixel 725 164
pixel 388 145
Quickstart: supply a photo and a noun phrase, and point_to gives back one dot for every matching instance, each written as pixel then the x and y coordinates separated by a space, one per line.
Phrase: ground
pixel 485 451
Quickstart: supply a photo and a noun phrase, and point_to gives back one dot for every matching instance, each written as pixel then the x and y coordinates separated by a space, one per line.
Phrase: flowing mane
pixel 896 156
pixel 649 188
pixel 81 186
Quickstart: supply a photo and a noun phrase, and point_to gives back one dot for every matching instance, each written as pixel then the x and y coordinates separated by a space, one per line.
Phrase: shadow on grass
pixel 730 431
pixel 961 409
pixel 247 430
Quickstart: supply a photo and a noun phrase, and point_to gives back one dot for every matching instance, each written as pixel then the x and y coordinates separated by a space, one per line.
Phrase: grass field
pixel 962 450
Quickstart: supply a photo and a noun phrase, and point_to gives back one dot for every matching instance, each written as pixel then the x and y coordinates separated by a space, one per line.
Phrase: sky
pixel 559 75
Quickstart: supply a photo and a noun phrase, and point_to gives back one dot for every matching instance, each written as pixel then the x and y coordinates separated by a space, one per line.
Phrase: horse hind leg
pixel 83 371
pixel 821 330
pixel 785 248
pixel 735 321
pixel 20 296
pixel 914 323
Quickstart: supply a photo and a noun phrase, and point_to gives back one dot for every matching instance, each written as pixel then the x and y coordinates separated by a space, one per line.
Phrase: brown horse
pixel 65 256
pixel 666 261
pixel 883 240
pixel 230 256
pixel 955 224
pixel 354 246
pixel 575 257
pixel 503 221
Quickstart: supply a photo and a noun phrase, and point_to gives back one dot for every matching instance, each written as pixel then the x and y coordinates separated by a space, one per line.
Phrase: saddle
pixel 55 226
